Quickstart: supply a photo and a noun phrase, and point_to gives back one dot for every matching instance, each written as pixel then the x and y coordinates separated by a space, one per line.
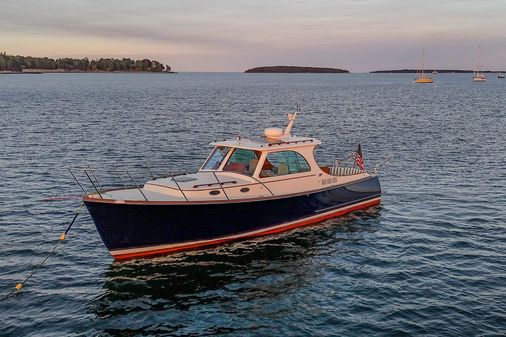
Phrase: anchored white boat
pixel 421 76
pixel 478 75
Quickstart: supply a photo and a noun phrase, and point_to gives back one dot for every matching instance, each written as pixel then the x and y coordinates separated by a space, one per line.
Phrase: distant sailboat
pixel 500 75
pixel 421 77
pixel 478 75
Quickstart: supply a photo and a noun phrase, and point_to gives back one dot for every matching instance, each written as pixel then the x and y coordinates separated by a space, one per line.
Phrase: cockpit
pixel 245 161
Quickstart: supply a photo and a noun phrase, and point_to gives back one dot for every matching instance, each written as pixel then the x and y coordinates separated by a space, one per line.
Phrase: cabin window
pixel 283 162
pixel 243 161
pixel 216 157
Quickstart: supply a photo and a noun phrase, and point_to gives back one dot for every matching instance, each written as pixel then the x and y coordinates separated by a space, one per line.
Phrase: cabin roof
pixel 266 144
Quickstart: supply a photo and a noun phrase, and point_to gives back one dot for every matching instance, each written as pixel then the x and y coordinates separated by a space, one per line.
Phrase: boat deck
pixel 135 194
pixel 196 186
pixel 223 186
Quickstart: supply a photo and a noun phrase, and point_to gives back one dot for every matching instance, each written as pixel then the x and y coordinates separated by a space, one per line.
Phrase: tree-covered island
pixel 17 63
pixel 295 70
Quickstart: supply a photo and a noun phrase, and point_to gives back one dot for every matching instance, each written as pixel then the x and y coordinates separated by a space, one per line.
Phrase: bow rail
pixel 89 177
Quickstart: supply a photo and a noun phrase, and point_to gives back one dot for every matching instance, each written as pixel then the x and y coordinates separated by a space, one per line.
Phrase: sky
pixel 234 35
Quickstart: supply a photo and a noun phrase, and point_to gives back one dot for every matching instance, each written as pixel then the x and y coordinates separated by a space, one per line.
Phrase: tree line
pixel 18 63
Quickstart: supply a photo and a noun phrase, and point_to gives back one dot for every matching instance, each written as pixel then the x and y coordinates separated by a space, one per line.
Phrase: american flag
pixel 359 160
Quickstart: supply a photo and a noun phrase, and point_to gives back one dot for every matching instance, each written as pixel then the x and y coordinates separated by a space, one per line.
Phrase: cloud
pixel 351 33
pixel 114 26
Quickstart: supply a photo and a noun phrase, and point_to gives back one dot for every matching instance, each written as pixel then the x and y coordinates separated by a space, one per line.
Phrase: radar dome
pixel 273 132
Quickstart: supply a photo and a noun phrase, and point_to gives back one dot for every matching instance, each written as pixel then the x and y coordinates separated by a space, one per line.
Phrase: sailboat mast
pixel 480 64
pixel 479 70
pixel 479 75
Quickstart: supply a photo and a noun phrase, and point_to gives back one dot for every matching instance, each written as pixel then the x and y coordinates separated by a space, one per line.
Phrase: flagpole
pixel 355 160
pixel 359 158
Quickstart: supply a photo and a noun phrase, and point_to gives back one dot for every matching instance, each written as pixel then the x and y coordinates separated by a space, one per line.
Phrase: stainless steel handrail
pixel 137 185
pixel 77 181
pixel 255 179
pixel 151 174
pixel 179 187
pixel 119 167
pixel 216 177
pixel 95 187
pixel 90 173
pixel 94 177
pixel 119 175
pixel 212 184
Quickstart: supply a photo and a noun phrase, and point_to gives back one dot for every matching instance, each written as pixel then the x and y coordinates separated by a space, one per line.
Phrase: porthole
pixel 214 192
pixel 245 189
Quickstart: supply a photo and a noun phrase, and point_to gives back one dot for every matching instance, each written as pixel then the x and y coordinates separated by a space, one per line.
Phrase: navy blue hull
pixel 127 226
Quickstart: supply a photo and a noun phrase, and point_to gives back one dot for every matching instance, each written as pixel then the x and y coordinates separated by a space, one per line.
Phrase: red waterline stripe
pixel 267 232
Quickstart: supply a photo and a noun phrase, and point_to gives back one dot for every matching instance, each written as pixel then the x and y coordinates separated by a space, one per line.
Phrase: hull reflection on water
pixel 264 269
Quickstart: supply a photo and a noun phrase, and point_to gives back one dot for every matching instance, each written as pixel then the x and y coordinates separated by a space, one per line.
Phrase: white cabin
pixel 278 165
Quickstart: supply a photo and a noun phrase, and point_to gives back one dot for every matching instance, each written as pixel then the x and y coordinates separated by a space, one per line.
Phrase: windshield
pixel 216 157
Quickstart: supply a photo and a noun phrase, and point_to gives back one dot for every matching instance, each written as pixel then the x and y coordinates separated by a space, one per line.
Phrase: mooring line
pixel 20 285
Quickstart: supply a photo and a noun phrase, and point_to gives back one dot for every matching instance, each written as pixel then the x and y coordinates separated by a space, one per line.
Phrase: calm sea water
pixel 430 261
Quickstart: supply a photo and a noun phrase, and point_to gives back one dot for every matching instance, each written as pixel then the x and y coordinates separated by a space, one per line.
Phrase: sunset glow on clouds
pixel 197 35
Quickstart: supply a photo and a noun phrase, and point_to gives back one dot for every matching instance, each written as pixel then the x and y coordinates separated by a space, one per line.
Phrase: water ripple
pixel 429 261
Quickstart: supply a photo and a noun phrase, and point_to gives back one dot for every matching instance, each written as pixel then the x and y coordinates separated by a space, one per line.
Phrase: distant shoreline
pixel 447 71
pixel 32 72
pixel 296 70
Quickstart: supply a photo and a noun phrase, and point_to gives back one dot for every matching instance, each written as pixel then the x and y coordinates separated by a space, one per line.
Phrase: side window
pixel 242 161
pixel 216 158
pixel 284 162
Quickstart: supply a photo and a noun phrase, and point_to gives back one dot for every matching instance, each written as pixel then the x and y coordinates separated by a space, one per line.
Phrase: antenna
pixel 291 120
